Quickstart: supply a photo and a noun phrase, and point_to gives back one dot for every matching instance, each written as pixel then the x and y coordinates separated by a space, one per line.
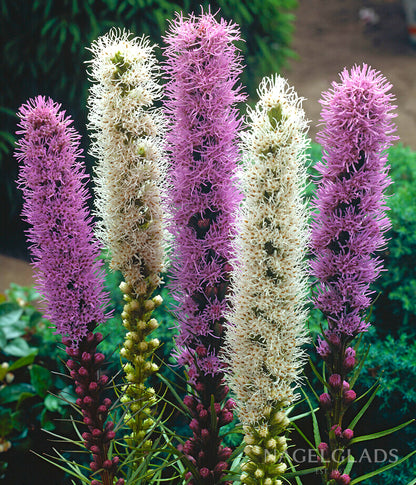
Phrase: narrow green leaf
pixel 47 26
pixel 304 472
pixel 359 368
pixel 413 482
pixel 316 434
pixel 304 436
pixel 318 375
pixel 350 463
pixel 364 409
pixel 380 434
pixel 383 469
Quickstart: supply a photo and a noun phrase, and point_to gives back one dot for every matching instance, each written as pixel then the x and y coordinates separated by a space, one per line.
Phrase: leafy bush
pixel 32 394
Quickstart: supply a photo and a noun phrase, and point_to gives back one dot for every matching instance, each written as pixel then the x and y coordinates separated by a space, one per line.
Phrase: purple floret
pixel 350 223
pixel 65 252
pixel 202 69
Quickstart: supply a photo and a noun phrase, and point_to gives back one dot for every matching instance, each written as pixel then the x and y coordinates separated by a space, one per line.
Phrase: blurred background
pixel 43 51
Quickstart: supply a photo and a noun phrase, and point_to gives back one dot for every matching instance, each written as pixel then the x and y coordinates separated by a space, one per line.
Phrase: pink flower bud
pixel 334 341
pixel 199 387
pixel 110 435
pixel 109 426
pixel 230 404
pixel 220 467
pixel 349 363
pixel 78 402
pixel 205 434
pixel 86 436
pixel 335 475
pixel 188 447
pixel 217 407
pixel 226 417
pixel 99 337
pixel 96 433
pixel 71 352
pixel 203 415
pixel 345 386
pixel 95 449
pixel 102 409
pixel 201 455
pixel 90 337
pixel 86 357
pixel 107 402
pixel 98 358
pixel 204 472
pixel 79 390
pixel 121 481
pixel 88 400
pixel 325 401
pixel 224 453
pixel 82 371
pixel 103 380
pixel 94 467
pixel 107 464
pixel 349 396
pixel 337 431
pixel 194 425
pixel 71 364
pixel 323 449
pixel 88 421
pixel 67 341
pixel 344 479
pixel 93 386
pixel 189 402
pixel 348 434
pixel 335 382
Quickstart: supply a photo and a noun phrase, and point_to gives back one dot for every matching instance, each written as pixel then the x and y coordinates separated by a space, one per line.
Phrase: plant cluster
pixel 238 276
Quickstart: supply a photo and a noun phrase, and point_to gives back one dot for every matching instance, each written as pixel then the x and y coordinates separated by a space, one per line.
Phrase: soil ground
pixel 329 36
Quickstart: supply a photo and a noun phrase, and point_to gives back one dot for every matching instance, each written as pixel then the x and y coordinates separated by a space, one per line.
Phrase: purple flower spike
pixel 349 228
pixel 65 253
pixel 203 67
pixel 352 220
pixel 64 249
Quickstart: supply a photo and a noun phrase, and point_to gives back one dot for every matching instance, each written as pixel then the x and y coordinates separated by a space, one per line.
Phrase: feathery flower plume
pixel 127 141
pixel 203 66
pixel 269 280
pixel 349 224
pixel 70 276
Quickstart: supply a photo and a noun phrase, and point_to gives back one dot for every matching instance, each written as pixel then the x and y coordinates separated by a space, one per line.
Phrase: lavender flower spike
pixel 203 67
pixel 270 278
pixel 347 230
pixel 69 274
pixel 351 222
pixel 63 245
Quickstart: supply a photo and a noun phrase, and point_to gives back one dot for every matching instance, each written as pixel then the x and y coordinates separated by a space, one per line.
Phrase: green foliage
pixel 31 395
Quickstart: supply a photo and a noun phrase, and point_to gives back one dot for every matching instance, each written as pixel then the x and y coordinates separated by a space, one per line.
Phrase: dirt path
pixel 330 36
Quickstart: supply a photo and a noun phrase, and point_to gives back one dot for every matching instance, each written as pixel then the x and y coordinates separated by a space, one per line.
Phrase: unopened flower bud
pixel 349 396
pixel 335 382
pixel 325 401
